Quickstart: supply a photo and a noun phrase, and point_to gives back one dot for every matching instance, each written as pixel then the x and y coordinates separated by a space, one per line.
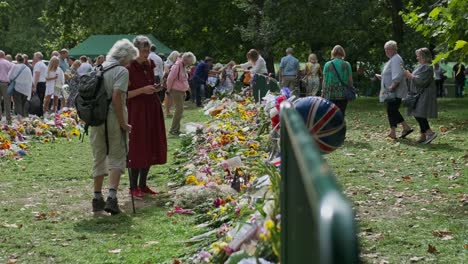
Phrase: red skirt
pixel 148 143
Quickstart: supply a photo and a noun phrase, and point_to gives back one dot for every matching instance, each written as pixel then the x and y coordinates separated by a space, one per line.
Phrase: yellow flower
pixel 191 179
pixel 228 238
pixel 75 132
pixel 269 224
pixel 23 146
pixel 222 209
pixel 262 236
pixel 229 198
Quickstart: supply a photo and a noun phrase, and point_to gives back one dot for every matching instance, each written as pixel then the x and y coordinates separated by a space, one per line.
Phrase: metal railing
pixel 317 221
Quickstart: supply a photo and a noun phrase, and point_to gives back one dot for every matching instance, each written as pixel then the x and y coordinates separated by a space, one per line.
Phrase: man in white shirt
pixel 39 79
pixel 5 67
pixel 85 66
pixel 159 70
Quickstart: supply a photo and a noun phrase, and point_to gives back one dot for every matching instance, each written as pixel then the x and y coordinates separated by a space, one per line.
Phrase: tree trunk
pixel 397 20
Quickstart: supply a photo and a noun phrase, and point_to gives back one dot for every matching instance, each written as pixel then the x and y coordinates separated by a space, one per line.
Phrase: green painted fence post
pixel 317 221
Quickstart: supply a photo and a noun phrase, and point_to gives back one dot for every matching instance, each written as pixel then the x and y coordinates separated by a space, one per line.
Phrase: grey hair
pixel 141 41
pixel 39 54
pixel 2 54
pixel 123 50
pixel 391 44
pixel 173 56
pixel 425 54
pixel 189 55
pixel 289 51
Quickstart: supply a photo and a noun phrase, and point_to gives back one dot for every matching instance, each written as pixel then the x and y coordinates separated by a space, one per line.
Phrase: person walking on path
pixel 289 68
pixel 392 89
pixel 200 77
pixel 148 144
pixel 335 72
pixel 313 74
pixel 422 83
pixel 23 86
pixel 39 80
pixel 5 67
pixel 177 86
pixel 458 72
pixel 111 161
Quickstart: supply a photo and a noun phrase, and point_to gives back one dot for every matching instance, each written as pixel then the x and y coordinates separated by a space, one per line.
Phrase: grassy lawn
pixel 402 192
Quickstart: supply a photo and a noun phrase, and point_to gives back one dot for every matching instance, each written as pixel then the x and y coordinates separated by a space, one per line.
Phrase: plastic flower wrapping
pixel 229 183
pixel 15 139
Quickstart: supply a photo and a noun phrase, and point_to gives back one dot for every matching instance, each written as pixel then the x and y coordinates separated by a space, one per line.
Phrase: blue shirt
pixel 289 65
pixel 201 72
pixel 64 65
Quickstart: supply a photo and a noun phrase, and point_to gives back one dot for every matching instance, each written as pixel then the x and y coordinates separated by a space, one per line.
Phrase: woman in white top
pixel 228 77
pixel 54 82
pixel 22 76
pixel 255 62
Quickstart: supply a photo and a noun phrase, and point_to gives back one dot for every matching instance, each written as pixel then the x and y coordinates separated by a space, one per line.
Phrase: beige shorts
pixel 116 159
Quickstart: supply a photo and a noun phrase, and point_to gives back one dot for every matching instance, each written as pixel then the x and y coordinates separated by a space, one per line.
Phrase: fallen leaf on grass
pixel 176 261
pixel 465 246
pixel 432 249
pixel 115 251
pixel 464 199
pixel 407 179
pixel 416 259
pixel 12 226
pixel 441 233
pixel 443 129
pixel 11 261
pixel 447 237
pixel 453 176
pixel 150 243
pixel 40 216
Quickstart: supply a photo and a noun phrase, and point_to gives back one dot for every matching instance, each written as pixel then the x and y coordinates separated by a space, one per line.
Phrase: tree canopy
pixel 226 30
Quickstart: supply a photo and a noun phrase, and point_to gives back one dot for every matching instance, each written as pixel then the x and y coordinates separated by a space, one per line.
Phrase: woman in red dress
pixel 148 144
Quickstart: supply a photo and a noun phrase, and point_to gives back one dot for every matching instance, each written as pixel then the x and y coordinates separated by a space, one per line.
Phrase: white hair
pixel 391 44
pixel 123 50
pixel 173 56
pixel 38 54
pixel 2 54
pixel 189 55
pixel 141 41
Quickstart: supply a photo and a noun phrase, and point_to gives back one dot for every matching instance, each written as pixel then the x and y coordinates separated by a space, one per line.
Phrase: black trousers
pixel 393 112
pixel 440 87
pixel 40 90
pixel 342 104
pixel 423 124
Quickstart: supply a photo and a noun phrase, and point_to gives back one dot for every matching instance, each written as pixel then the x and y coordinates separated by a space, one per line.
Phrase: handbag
pixel 411 100
pixel 12 84
pixel 350 91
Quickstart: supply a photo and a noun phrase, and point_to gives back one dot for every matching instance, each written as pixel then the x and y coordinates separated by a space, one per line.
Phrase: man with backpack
pixel 101 103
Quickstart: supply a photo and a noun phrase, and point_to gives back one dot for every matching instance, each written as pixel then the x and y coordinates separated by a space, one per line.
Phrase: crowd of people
pixel 143 87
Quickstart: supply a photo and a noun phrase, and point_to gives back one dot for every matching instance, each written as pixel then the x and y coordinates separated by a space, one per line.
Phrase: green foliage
pixel 445 23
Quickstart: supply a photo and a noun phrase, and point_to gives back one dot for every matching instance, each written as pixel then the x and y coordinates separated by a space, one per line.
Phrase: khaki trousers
pixel 178 99
pixel 288 81
pixel 6 101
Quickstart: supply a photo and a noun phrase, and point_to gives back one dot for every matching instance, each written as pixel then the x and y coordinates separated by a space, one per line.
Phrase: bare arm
pixel 148 89
pixel 118 109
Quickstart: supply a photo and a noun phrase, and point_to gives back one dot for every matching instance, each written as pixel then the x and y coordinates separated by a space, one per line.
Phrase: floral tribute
pixel 15 139
pixel 229 184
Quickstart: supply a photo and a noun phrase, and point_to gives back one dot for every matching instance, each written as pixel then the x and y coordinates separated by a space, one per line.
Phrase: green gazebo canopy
pixel 97 45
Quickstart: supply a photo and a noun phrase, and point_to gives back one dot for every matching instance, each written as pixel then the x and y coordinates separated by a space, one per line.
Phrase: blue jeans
pixel 198 89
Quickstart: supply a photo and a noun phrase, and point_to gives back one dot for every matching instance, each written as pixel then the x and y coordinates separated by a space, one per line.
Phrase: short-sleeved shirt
pixel 289 65
pixel 159 69
pixel 64 65
pixel 42 69
pixel 259 67
pixel 333 88
pixel 84 68
pixel 5 67
pixel 116 78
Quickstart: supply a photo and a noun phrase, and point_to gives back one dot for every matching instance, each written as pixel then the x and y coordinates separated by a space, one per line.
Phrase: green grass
pixel 403 191
pixel 55 181
pixel 396 215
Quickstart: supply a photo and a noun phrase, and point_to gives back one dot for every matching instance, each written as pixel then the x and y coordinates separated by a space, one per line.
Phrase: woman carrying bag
pixel 423 86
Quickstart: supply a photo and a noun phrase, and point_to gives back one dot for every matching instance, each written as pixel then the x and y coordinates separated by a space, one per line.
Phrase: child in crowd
pixel 54 82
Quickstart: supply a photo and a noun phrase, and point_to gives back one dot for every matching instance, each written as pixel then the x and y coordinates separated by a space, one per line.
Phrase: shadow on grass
pixel 357 144
pixel 431 147
pixel 105 224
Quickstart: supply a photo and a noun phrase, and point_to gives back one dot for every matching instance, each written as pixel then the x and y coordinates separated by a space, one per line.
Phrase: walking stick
pixel 129 172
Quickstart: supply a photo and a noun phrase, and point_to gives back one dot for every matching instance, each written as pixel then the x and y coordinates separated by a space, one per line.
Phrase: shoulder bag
pixel 11 86
pixel 350 91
